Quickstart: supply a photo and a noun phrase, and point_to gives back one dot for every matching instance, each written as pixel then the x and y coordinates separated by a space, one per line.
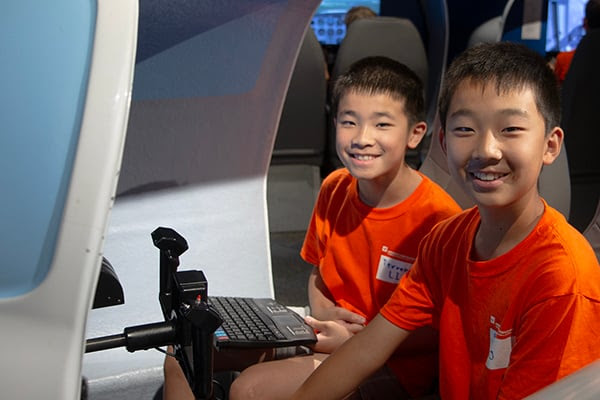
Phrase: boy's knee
pixel 171 367
pixel 244 387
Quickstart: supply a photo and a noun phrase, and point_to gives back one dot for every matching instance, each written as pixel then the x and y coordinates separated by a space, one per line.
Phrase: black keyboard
pixel 249 322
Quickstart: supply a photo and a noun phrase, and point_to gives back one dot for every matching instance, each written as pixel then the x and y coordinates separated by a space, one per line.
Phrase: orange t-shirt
pixel 563 62
pixel 362 251
pixel 510 325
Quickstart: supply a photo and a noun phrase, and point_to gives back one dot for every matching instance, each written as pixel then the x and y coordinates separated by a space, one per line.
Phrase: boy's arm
pixel 365 352
pixel 319 297
pixel 323 307
pixel 330 335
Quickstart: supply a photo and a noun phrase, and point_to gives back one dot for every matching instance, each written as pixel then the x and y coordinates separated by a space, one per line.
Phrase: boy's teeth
pixel 363 157
pixel 486 176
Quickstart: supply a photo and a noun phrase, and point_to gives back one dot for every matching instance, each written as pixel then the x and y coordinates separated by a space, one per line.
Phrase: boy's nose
pixel 487 147
pixel 363 137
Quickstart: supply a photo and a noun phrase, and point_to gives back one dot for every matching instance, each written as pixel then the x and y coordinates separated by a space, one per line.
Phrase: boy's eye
pixel 347 123
pixel 383 125
pixel 512 129
pixel 462 130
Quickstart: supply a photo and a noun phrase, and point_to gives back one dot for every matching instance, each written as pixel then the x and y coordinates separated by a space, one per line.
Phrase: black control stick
pixel 190 321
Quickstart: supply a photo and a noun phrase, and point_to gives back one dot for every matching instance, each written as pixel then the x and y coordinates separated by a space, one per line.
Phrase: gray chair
pixel 488 32
pixel 396 38
pixel 437 24
pixel 491 30
pixel 592 232
pixel 295 171
pixel 302 131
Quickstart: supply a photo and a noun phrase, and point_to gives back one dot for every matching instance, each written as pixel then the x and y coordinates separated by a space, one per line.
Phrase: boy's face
pixel 372 134
pixel 496 144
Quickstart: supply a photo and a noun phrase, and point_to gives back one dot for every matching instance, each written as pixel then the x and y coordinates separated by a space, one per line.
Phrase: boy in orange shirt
pixel 512 288
pixel 364 233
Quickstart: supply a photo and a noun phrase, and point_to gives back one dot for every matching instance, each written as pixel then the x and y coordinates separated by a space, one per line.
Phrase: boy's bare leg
pixel 176 386
pixel 276 379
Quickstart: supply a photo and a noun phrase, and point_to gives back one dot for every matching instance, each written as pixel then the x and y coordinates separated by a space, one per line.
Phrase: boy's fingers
pixel 349 316
pixel 318 326
pixel 355 328
pixel 314 323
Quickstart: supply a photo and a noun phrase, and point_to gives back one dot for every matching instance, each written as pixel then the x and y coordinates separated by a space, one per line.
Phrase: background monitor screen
pixel 328 21
pixel 564 29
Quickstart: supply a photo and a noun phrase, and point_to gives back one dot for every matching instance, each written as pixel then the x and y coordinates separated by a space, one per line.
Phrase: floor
pixel 290 272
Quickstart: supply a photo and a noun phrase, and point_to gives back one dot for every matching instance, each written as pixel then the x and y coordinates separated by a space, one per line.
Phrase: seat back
pixel 437 24
pixel 555 185
pixel 592 232
pixel 396 38
pixel 581 123
pixel 66 74
pixel 489 31
pixel 301 134
pixel 295 172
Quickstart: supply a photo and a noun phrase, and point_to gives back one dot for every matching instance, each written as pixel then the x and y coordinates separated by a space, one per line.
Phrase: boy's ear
pixel 554 142
pixel 416 134
pixel 442 139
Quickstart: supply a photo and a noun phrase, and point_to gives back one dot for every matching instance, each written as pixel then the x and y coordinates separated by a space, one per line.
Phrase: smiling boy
pixel 364 233
pixel 513 290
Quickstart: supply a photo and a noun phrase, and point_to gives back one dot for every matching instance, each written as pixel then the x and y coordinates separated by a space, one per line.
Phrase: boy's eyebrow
pixel 383 114
pixel 376 114
pixel 465 112
pixel 462 112
pixel 348 112
pixel 515 111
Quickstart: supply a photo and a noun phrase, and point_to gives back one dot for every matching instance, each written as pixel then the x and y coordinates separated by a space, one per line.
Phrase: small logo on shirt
pixel 392 266
pixel 501 342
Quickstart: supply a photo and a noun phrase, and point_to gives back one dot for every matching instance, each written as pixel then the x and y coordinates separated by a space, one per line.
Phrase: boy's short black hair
pixel 382 75
pixel 509 66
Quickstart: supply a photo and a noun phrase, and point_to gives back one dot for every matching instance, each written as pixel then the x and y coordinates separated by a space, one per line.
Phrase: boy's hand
pixel 330 335
pixel 352 321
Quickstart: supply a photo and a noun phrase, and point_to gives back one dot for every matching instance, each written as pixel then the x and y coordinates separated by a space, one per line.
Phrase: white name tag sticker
pixel 500 349
pixel 391 270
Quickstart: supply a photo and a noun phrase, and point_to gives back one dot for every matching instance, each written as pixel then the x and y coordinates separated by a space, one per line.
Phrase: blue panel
pixel 328 21
pixel 46 49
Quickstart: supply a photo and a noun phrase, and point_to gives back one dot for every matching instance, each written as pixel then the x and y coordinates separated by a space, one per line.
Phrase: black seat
pixel 581 122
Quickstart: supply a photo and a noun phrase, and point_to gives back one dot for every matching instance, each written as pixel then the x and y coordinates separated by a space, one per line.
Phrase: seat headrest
pixel 396 38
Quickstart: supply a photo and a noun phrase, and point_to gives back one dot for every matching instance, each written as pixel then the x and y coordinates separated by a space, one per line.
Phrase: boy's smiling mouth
pixel 363 157
pixel 487 176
